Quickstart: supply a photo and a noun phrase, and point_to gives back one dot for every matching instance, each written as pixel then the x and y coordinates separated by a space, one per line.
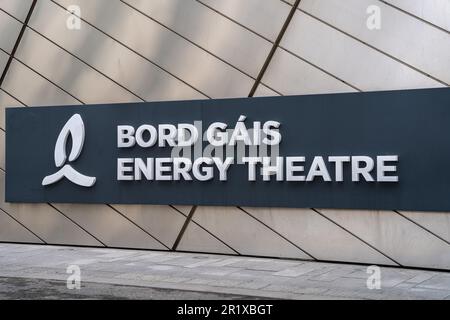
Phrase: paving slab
pixel 201 275
pixel 439 282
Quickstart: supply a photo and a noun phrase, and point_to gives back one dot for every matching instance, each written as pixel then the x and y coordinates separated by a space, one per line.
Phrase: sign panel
pixel 376 150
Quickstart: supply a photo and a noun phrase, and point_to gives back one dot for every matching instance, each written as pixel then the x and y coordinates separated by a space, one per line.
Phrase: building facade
pixel 74 52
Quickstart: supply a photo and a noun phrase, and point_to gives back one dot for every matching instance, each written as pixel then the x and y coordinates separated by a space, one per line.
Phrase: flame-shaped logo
pixel 75 128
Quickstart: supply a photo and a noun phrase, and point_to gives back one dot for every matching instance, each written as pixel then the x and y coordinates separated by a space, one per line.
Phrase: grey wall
pixel 150 50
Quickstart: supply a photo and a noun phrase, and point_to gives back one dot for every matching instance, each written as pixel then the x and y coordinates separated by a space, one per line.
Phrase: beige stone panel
pixel 400 35
pixel 290 75
pixel 318 236
pixel 33 90
pixel 348 59
pixel 263 17
pixel 162 222
pixel 72 75
pixel 109 57
pixel 184 209
pixel 11 231
pixel 245 234
pixel 436 12
pixel 212 76
pixel 17 8
pixel 210 30
pixel 436 222
pixel 46 222
pixel 109 227
pixel 395 236
pixel 3 60
pixel 10 29
pixel 263 91
pixel 195 239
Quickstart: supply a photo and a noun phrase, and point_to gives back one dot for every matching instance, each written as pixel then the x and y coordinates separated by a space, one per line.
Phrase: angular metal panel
pixel 162 222
pixel 245 234
pixel 10 29
pixel 291 76
pixel 349 59
pixel 109 57
pixel 109 227
pixel 395 236
pixel 212 76
pixel 3 60
pixel 195 239
pixel 46 222
pixel 32 89
pixel 263 17
pixel 263 91
pixel 72 75
pixel 400 35
pixel 209 30
pixel 183 209
pixel 436 12
pixel 18 9
pixel 12 231
pixel 436 222
pixel 318 236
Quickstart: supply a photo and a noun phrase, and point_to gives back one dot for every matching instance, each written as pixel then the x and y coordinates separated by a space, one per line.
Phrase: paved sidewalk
pixel 115 273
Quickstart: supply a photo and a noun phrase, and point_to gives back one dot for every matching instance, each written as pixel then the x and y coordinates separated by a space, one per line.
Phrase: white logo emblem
pixel 74 127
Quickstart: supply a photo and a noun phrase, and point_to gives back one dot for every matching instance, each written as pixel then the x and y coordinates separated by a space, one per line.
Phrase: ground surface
pixel 26 288
pixel 40 272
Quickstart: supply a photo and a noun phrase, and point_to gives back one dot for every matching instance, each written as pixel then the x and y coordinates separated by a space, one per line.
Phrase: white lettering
pixel 318 169
pixel 339 166
pixel 125 138
pixel 291 168
pixel 363 171
pixel 122 169
pixel 382 169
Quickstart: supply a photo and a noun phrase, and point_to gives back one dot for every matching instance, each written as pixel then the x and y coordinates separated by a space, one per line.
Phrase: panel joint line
pixel 16 45
pixel 183 229
pixel 274 48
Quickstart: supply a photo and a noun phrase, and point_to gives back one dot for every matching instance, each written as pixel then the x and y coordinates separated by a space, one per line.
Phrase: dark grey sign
pixel 376 150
